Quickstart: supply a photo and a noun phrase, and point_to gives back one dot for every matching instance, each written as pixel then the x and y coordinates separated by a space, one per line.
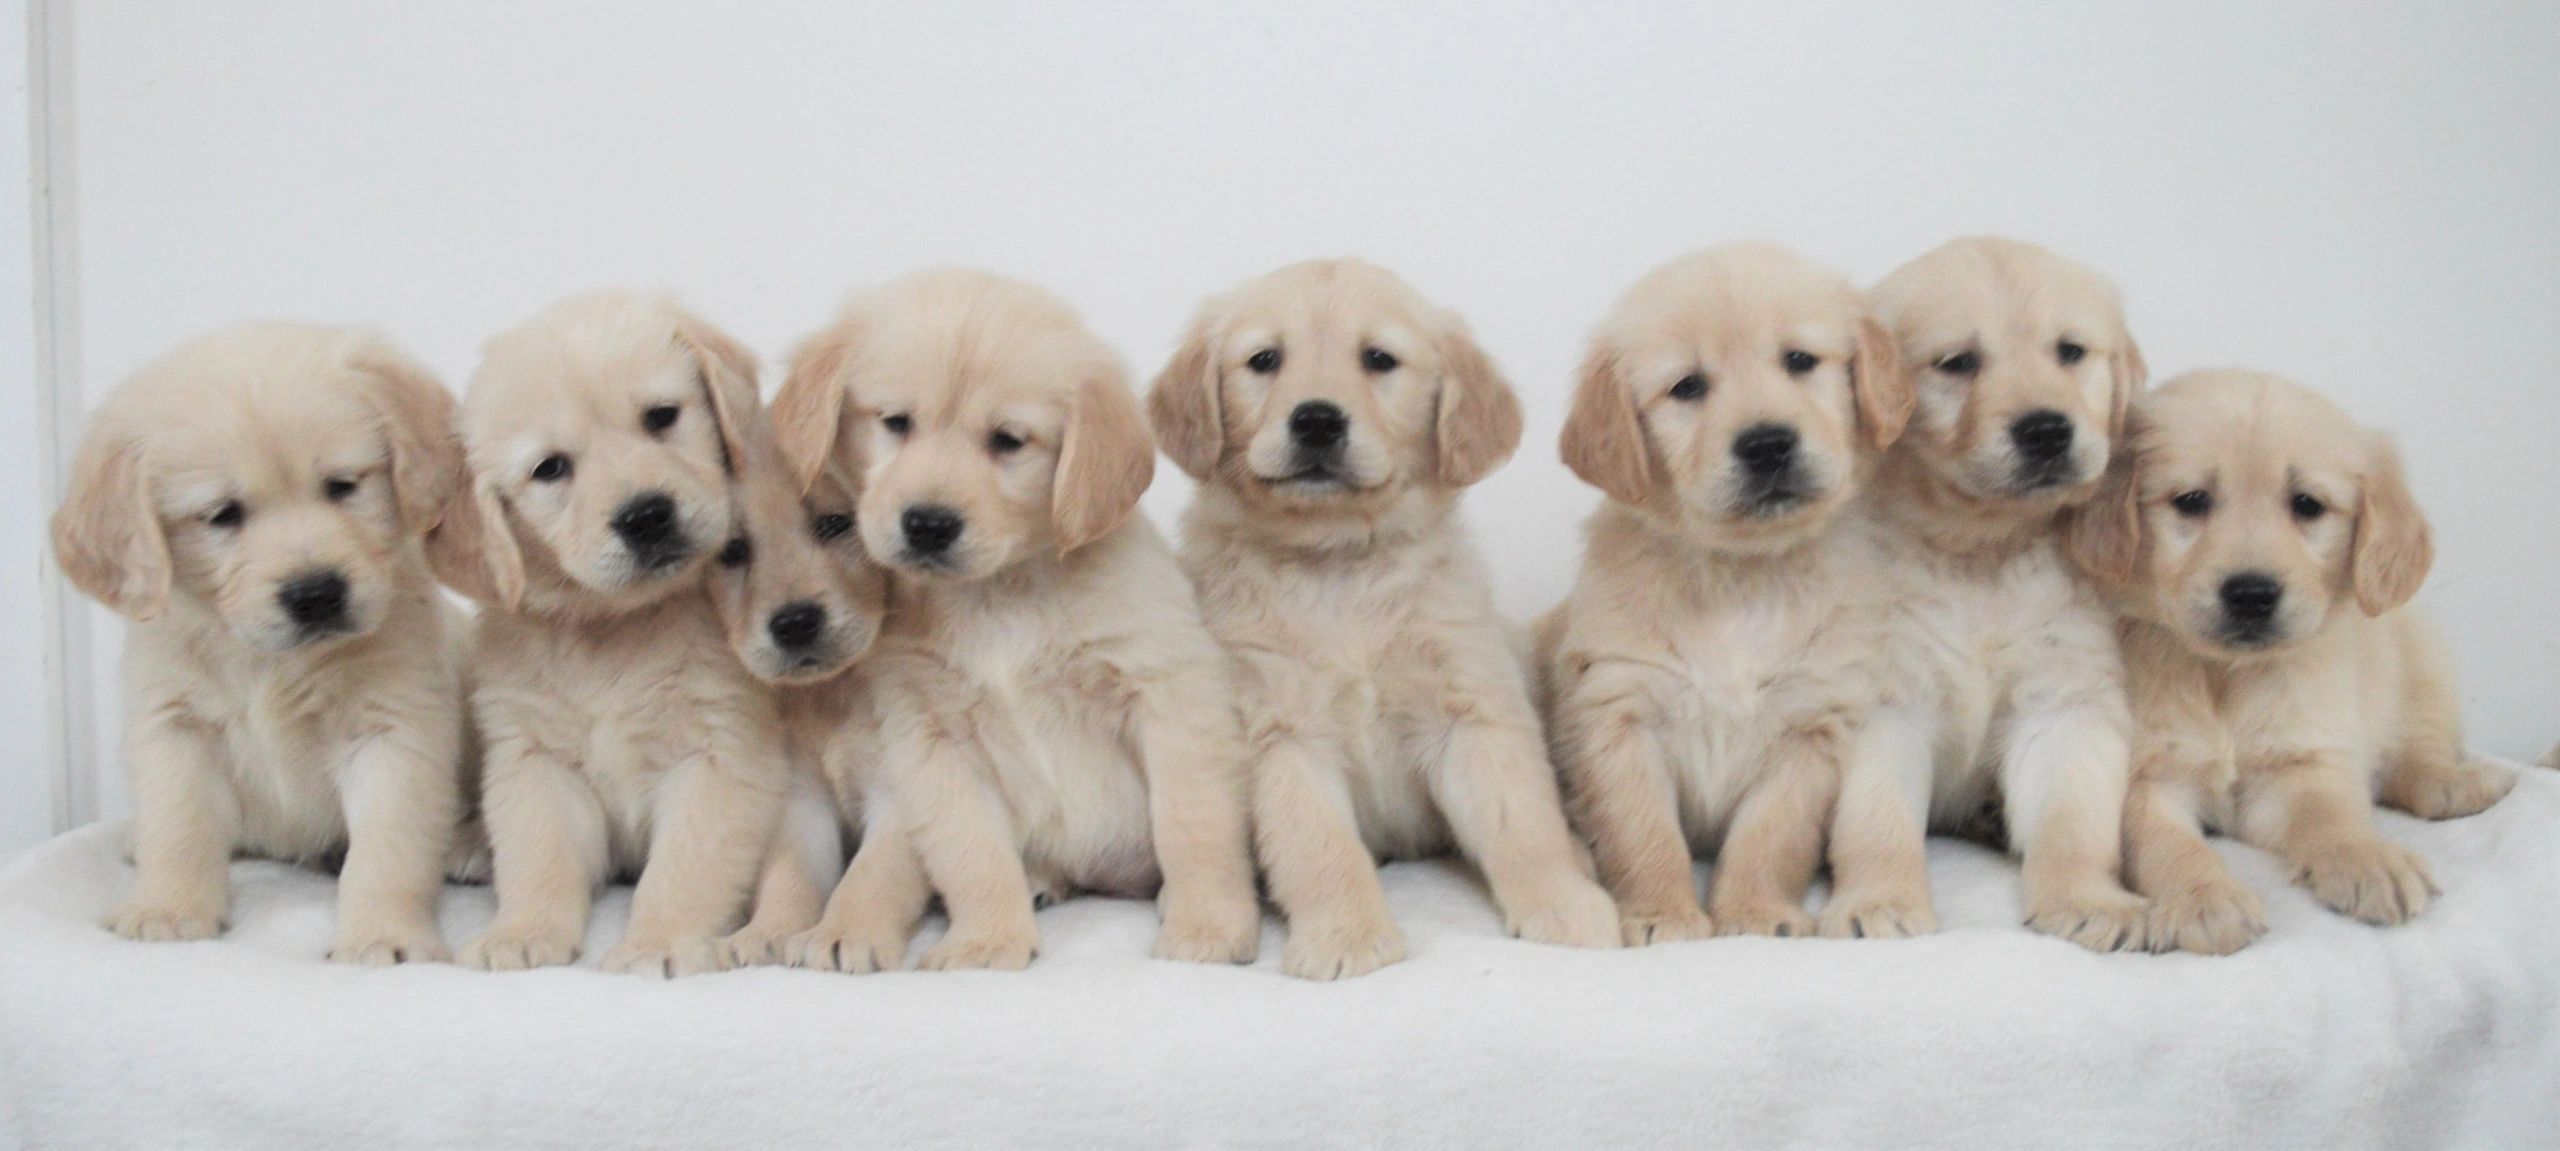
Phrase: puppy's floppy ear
pixel 728 380
pixel 2130 375
pixel 1603 439
pixel 1479 423
pixel 417 415
pixel 1184 402
pixel 808 413
pixel 474 551
pixel 1104 464
pixel 107 535
pixel 2393 548
pixel 1882 387
pixel 2103 537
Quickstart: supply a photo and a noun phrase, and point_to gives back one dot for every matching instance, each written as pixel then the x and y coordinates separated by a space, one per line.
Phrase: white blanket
pixel 2323 1034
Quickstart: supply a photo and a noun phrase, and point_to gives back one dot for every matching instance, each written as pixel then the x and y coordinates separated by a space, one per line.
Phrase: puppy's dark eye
pixel 1265 361
pixel 1378 361
pixel 831 525
pixel 897 423
pixel 2068 352
pixel 1964 363
pixel 737 552
pixel 1003 443
pixel 1798 363
pixel 227 514
pixel 2192 504
pixel 660 418
pixel 551 470
pixel 2307 507
pixel 338 488
pixel 1691 388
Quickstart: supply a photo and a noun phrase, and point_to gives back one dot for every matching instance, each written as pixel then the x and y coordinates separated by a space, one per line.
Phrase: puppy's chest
pixel 622 701
pixel 1357 642
pixel 1762 658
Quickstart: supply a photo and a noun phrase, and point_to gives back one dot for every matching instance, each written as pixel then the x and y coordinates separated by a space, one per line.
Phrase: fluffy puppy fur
pixel 2011 689
pixel 801 604
pixel 253 501
pixel 1054 712
pixel 2263 548
pixel 1716 655
pixel 1333 418
pixel 621 736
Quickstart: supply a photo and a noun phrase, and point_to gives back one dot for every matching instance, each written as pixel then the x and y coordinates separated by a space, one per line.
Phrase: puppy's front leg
pixel 2063 783
pixel 965 839
pixel 547 847
pixel 1623 790
pixel 715 817
pixel 873 913
pixel 801 865
pixel 186 821
pixel 1194 763
pixel 1322 875
pixel 402 802
pixel 2196 905
pixel 1880 832
pixel 1498 790
pixel 2312 807
pixel 1775 844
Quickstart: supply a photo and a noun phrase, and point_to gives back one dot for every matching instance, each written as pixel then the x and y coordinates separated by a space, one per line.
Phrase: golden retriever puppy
pixel 2010 688
pixel 1054 713
pixel 2263 548
pixel 1333 418
pixel 1706 675
pixel 801 604
pixel 621 738
pixel 253 501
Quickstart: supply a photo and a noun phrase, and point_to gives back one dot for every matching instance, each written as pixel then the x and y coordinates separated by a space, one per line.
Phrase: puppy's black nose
pixel 314 599
pixel 647 521
pixel 1766 449
pixel 1318 424
pixel 796 625
pixel 931 528
pixel 2042 436
pixel 2251 598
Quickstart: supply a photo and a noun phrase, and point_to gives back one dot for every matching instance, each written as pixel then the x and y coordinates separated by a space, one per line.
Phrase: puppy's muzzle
pixel 1318 432
pixel 1772 480
pixel 2249 603
pixel 2043 442
pixel 931 531
pixel 795 627
pixel 646 525
pixel 316 602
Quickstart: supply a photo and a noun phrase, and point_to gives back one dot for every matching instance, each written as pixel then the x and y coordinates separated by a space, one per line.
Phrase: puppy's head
pixel 2249 510
pixel 2022 366
pixel 795 592
pixel 1329 386
pixel 988 426
pixel 1739 390
pixel 276 474
pixel 602 434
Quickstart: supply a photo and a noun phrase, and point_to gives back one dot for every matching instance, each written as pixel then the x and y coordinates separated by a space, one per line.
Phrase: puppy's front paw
pixel 856 949
pixel 1579 914
pixel 166 923
pixel 1674 924
pixel 1346 947
pixel 2212 918
pixel 987 950
pixel 1877 915
pixel 1763 917
pixel 2454 792
pixel 509 948
pixel 754 946
pixel 2378 882
pixel 2100 920
pixel 667 959
pixel 1204 930
pixel 386 944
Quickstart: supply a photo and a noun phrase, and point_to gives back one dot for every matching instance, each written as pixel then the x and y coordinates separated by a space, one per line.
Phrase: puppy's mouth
pixel 1775 497
pixel 654 560
pixel 1323 475
pixel 2248 634
pixel 2042 477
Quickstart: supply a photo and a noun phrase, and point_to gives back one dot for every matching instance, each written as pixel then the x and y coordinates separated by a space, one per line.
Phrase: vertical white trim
pixel 70 735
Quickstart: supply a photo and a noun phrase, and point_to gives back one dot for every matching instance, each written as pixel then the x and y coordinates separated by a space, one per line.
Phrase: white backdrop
pixel 2364 196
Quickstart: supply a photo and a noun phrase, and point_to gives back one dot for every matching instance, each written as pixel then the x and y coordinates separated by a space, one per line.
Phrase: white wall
pixel 2365 196
pixel 27 777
